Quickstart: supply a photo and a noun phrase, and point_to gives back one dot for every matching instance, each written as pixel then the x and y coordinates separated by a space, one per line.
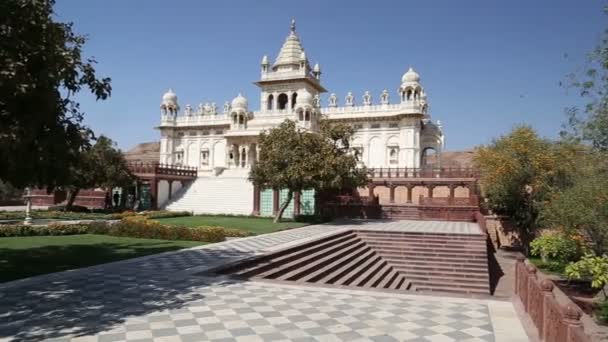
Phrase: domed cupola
pixel 169 104
pixel 239 102
pixel 410 89
pixel 304 99
pixel 410 76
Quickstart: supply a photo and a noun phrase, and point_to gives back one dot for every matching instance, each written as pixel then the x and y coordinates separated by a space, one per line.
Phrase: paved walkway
pixel 162 298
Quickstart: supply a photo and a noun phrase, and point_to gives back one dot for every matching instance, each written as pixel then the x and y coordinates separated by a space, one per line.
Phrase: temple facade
pixel 393 129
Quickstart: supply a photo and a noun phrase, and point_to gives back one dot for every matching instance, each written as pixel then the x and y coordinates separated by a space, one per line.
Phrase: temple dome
pixel 304 98
pixel 410 76
pixel 170 97
pixel 291 52
pixel 239 102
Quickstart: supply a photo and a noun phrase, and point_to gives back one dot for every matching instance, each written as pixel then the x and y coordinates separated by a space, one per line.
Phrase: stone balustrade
pixel 554 322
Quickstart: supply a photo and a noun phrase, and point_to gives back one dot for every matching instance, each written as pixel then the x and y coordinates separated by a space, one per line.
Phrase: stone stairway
pixel 435 262
pixel 383 260
pixel 399 212
pixel 203 196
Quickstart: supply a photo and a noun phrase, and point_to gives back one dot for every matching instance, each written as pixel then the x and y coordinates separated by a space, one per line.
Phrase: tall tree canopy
pixel 590 123
pixel 100 166
pixel 41 69
pixel 519 171
pixel 295 159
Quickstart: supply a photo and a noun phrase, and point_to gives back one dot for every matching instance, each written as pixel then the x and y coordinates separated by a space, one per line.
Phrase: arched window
pixel 408 95
pixel 307 116
pixel 429 158
pixel 283 99
pixel 270 103
pixel 293 99
pixel 393 155
pixel 300 115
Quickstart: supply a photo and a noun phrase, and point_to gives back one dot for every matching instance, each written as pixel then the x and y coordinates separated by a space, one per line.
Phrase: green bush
pixel 556 246
pixel 135 226
pixel 142 227
pixel 602 312
pixel 51 229
pixel 166 214
pixel 592 268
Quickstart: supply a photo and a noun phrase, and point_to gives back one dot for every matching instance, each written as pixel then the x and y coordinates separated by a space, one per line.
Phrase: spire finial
pixel 293 25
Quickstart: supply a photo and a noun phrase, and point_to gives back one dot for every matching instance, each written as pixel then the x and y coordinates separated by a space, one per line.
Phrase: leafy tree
pixel 518 173
pixel 41 69
pixel 9 192
pixel 582 208
pixel 295 159
pixel 100 166
pixel 590 123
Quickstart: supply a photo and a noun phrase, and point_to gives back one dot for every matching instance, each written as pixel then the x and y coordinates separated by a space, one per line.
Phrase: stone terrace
pixel 163 298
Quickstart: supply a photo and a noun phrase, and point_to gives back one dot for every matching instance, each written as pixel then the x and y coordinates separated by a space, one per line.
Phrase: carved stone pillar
pixel 245 162
pixel 153 193
pixel 275 201
pixel 392 193
pixel 275 100
pixel 256 201
pixel 430 189
pixel 452 189
pixel 410 188
pixel 370 187
pixel 170 188
pixel 296 203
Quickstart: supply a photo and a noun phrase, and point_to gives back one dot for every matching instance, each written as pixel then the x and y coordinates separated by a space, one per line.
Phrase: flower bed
pixel 135 226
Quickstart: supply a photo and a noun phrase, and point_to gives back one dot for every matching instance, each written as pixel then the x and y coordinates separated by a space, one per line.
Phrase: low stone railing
pixel 405 172
pixel 554 322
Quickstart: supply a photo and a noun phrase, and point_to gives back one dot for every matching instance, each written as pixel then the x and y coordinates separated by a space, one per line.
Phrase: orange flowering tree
pixel 519 171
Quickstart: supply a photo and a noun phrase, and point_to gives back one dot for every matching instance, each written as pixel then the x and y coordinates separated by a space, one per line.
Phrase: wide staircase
pixel 381 260
pixel 400 212
pixel 228 193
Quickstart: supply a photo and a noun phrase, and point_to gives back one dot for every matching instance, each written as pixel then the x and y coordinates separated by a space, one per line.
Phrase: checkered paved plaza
pixel 166 298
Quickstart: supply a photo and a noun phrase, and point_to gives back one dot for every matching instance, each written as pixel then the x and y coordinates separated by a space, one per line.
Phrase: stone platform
pixel 161 298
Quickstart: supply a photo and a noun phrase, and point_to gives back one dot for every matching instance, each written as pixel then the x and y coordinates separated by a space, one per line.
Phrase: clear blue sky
pixel 486 65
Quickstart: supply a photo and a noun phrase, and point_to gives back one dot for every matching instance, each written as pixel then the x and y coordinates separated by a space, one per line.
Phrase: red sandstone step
pixel 405 265
pixel 289 262
pixel 414 235
pixel 420 281
pixel 360 269
pixel 433 254
pixel 326 269
pixel 398 246
pixel 421 259
pixel 451 289
pixel 433 274
pixel 305 265
pixel 479 242
pixel 348 269
pixel 300 250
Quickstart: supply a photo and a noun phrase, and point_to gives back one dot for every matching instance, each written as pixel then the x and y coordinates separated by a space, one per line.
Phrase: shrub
pixel 556 246
pixel 602 312
pixel 592 268
pixel 51 229
pixel 141 227
pixel 166 214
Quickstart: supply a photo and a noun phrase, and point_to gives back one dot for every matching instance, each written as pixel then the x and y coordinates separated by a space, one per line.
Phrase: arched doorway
pixel 283 100
pixel 429 158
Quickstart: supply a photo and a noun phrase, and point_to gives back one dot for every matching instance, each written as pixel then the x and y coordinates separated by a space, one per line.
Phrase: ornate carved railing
pixel 399 172
pixel 163 169
pixel 555 322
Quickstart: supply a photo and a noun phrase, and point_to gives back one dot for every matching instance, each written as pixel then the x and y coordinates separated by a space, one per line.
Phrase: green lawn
pixel 22 257
pixel 254 225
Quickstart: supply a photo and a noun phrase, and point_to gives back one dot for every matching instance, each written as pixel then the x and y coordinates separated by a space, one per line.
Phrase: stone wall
pixel 502 231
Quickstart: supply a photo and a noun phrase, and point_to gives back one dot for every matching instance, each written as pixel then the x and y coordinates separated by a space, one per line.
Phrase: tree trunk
pixel 279 214
pixel 71 199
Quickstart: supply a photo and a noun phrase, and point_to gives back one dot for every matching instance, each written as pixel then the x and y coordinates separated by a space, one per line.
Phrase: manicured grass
pixel 22 257
pixel 254 225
